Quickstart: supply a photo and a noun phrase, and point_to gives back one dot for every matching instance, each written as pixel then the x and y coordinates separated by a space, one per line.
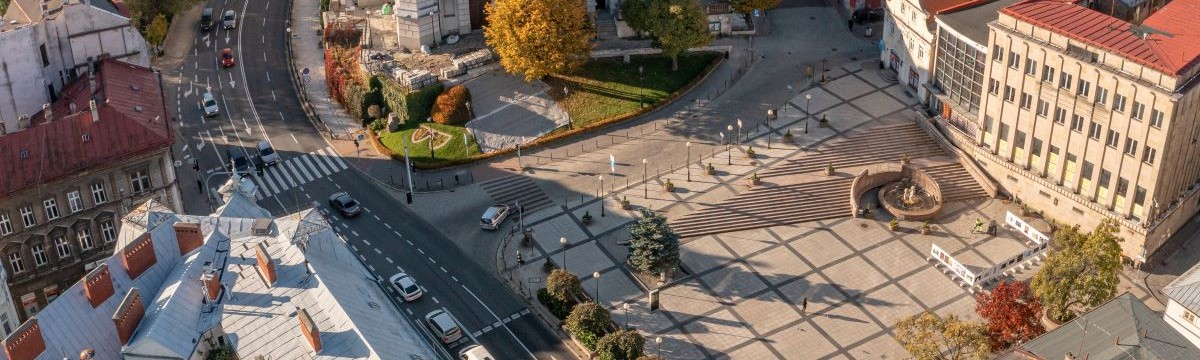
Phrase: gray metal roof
pixel 1185 289
pixel 972 22
pixel 1122 328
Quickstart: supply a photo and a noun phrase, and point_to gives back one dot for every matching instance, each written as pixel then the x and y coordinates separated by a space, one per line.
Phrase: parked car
pixel 210 105
pixel 443 325
pixel 227 58
pixel 206 19
pixel 493 217
pixel 267 153
pixel 475 352
pixel 344 204
pixel 406 286
pixel 229 21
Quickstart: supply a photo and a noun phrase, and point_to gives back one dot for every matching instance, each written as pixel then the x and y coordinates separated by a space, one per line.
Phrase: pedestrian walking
pixel 356 143
pixel 978 226
pixel 199 186
pixel 520 259
pixel 804 305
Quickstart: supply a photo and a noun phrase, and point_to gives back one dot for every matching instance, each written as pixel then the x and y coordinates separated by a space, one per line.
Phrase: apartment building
pixel 46 44
pixel 104 145
pixel 1086 117
pixel 908 40
pixel 960 58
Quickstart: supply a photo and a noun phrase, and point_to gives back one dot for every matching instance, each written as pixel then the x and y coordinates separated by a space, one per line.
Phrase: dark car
pixel 227 58
pixel 237 159
pixel 344 204
pixel 206 19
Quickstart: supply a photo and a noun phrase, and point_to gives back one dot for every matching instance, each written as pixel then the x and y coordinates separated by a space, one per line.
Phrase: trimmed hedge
pixel 406 104
pixel 451 106
pixel 558 308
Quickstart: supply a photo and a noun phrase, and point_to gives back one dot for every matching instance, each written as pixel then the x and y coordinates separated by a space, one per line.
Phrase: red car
pixel 227 57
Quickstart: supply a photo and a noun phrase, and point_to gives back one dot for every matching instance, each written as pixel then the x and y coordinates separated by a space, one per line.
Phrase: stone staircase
pixel 770 206
pixel 606 25
pixel 882 144
pixel 511 189
pixel 956 183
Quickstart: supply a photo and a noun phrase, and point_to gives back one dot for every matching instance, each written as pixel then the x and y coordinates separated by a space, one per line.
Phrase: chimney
pixel 48 112
pixel 26 342
pixel 138 256
pixel 45 7
pixel 266 265
pixel 189 237
pixel 309 328
pixel 97 285
pixel 211 280
pixel 128 315
pixel 95 112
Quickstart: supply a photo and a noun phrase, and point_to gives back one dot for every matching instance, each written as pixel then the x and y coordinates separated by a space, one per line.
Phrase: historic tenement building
pixel 71 176
pixel 1085 116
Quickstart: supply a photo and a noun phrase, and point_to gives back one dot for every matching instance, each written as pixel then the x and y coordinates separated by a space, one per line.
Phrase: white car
pixel 475 352
pixel 210 105
pixel 267 153
pixel 406 286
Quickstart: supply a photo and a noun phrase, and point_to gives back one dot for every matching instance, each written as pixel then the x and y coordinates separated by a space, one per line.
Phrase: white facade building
pixel 908 41
pixel 8 310
pixel 44 44
pixel 428 22
pixel 1183 303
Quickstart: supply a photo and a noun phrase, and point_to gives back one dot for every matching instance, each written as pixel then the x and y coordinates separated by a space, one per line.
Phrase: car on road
pixel 493 217
pixel 206 19
pixel 227 58
pixel 475 352
pixel 236 159
pixel 443 326
pixel 267 153
pixel 229 21
pixel 406 286
pixel 210 105
pixel 344 204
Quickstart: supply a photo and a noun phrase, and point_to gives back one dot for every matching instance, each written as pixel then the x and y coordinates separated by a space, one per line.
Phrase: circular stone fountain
pixel 907 201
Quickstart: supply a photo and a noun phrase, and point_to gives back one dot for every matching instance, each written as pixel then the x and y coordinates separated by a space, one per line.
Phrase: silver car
pixel 267 153
pixel 443 326
pixel 229 21
pixel 210 105
pixel 406 286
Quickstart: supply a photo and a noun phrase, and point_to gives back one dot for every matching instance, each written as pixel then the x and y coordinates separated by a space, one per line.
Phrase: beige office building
pixel 1086 117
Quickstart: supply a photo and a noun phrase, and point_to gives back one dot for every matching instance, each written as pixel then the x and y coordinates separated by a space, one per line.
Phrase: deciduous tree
pixel 157 31
pixel 654 247
pixel 625 344
pixel 748 6
pixel 589 318
pixel 929 337
pixel 535 38
pixel 1012 314
pixel 1080 271
pixel 563 286
pixel 674 25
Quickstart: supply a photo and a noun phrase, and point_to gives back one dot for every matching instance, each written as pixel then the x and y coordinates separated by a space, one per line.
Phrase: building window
pixel 108 231
pixel 39 254
pixel 1014 60
pixel 1026 100
pixel 997 53
pixel 993 86
pixel 51 206
pixel 1003 132
pixel 1131 146
pixel 14 261
pixel 27 217
pixel 1139 109
pixel 98 194
pixel 1101 95
pixel 139 181
pixel 1031 67
pixel 1048 74
pixel 1122 187
pixel 1064 81
pixel 1060 115
pixel 1148 155
pixel 1077 123
pixel 1112 139
pixel 30 304
pixel 1085 88
pixel 1189 317
pixel 1019 140
pixel 85 238
pixel 63 246
pixel 1094 131
pixel 1156 118
pixel 6 227
pixel 987 123
pixel 45 56
pixel 1009 93
pixel 1118 103
pixel 75 201
pixel 1035 147
pixel 1043 108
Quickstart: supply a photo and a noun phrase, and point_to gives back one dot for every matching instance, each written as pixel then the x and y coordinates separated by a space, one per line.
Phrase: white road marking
pixel 378 252
pixel 355 234
pixel 443 269
pixel 320 165
pixel 453 277
pixel 372 268
pixel 354 247
pixel 399 268
pixel 293 136
pixel 410 244
pixel 363 258
pixel 435 300
pixel 389 260
pixel 434 262
pixel 419 250
pixel 388 226
pixel 344 226
pixel 396 232
pixel 409 310
pixel 510 332
pixel 284 174
pixel 376 216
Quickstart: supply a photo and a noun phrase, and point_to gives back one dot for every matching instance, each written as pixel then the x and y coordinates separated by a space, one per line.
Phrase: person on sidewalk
pixel 520 258
pixel 804 305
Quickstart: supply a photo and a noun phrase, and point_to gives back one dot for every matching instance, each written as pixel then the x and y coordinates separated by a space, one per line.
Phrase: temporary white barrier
pixel 947 260
pixel 1020 225
pixel 1041 240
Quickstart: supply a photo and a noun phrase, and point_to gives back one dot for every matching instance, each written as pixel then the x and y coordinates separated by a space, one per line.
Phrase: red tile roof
pixel 1172 53
pixel 933 7
pixel 56 149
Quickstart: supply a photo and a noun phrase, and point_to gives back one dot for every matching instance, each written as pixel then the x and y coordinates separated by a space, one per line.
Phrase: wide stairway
pixel 770 206
pixel 606 25
pixel 956 183
pixel 884 144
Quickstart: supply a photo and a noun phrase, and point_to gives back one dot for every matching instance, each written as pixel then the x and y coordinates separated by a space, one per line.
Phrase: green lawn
pixel 451 149
pixel 607 88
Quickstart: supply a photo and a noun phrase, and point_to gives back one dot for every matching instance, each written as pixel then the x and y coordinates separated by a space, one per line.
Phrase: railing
pixel 989 185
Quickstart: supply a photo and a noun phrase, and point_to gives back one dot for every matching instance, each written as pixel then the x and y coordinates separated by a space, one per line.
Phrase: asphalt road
pixel 258 102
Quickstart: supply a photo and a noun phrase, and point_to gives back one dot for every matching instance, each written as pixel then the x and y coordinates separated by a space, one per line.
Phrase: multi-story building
pixel 1087 117
pixel 1183 303
pixel 427 22
pixel 46 44
pixel 105 144
pixel 959 61
pixel 908 38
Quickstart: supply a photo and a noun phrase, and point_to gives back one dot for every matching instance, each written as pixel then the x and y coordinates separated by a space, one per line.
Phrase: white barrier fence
pixel 949 262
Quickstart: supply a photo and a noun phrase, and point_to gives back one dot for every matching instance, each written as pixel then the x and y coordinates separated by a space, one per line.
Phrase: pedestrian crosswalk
pixel 297 171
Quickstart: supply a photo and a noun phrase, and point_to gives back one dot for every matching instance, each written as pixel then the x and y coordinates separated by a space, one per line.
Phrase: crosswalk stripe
pixel 338 159
pixel 301 176
pixel 276 177
pixel 266 178
pixel 319 164
pixel 258 195
pixel 326 159
pixel 317 173
pixel 285 175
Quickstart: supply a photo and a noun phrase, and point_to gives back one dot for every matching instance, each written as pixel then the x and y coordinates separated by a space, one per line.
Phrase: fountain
pixel 906 200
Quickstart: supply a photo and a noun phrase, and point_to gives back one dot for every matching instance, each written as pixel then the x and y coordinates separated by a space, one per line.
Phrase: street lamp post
pixel 626 307
pixel 807 102
pixel 641 88
pixel 739 133
pixel 689 161
pixel 658 344
pixel 563 241
pixel 728 148
pixel 601 195
pixel 645 185
pixel 596 276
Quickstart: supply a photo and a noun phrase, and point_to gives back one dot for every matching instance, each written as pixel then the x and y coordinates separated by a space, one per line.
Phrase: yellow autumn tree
pixel 535 38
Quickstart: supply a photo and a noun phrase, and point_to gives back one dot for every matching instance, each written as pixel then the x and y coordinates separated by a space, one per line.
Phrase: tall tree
pixel 535 38
pixel 929 337
pixel 626 344
pixel 1012 314
pixel 1080 271
pixel 748 6
pixel 674 25
pixel 157 31
pixel 654 247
